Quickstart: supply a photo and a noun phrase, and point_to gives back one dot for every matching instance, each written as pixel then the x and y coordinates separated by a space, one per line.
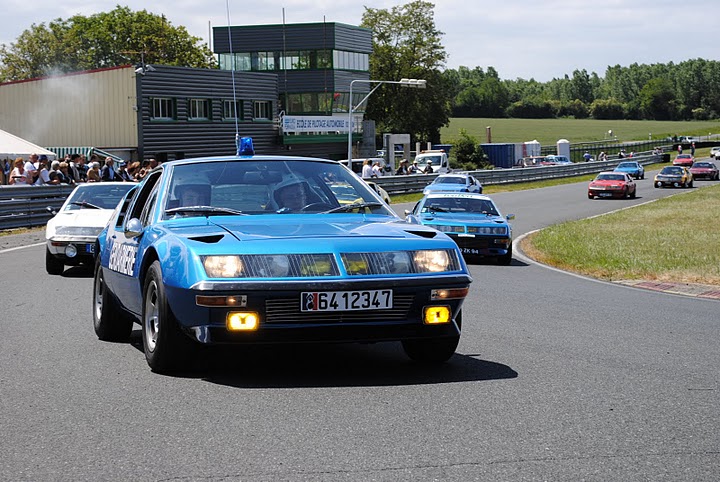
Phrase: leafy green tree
pixel 406 44
pixel 108 39
pixel 657 100
pixel 466 154
pixel 607 109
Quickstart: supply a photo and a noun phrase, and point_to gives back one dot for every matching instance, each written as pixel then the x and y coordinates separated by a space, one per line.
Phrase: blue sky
pixel 519 38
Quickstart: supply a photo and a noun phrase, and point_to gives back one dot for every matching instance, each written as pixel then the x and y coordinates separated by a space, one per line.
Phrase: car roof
pixel 197 160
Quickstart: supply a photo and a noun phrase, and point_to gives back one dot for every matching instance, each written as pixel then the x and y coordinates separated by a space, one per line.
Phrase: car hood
pixel 464 219
pixel 304 233
pixel 82 218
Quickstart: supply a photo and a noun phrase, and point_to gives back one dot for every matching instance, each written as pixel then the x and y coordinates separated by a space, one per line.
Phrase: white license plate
pixel 346 300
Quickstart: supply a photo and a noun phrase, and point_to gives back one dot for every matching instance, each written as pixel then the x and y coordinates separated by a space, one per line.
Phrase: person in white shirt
pixel 376 172
pixel 31 169
pixel 43 173
pixel 18 176
pixel 367 171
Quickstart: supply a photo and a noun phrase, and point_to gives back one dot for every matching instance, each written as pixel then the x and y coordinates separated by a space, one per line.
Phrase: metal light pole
pixel 414 83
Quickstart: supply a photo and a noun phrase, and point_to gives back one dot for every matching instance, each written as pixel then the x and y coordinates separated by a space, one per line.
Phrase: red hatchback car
pixel 685 160
pixel 612 184
pixel 704 170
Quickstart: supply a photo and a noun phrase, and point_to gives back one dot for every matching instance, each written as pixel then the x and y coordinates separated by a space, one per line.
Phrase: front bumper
pixel 83 252
pixel 282 321
pixel 607 193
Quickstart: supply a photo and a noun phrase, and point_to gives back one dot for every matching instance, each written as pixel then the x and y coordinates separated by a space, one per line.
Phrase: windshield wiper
pixel 204 210
pixel 437 209
pixel 350 207
pixel 85 204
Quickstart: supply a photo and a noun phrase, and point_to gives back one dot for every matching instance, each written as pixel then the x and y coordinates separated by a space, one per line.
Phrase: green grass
pixel 549 131
pixel 673 239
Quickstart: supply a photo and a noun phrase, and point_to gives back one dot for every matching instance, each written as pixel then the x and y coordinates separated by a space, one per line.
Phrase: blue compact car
pixel 632 168
pixel 454 183
pixel 473 221
pixel 257 249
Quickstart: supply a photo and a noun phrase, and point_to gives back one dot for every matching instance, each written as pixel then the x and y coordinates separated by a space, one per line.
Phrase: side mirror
pixel 510 217
pixel 51 210
pixel 407 212
pixel 133 228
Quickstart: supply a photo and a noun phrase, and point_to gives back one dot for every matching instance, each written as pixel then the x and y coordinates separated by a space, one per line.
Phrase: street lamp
pixel 413 83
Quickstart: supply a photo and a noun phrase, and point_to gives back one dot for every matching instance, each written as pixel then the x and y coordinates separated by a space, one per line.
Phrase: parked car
pixel 704 170
pixel 612 184
pixel 633 168
pixel 715 152
pixel 674 176
pixel 472 220
pixel 685 160
pixel 72 232
pixel 531 161
pixel 267 254
pixel 454 183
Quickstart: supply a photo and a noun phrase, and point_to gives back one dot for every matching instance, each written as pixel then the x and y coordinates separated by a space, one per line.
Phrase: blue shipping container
pixel 500 155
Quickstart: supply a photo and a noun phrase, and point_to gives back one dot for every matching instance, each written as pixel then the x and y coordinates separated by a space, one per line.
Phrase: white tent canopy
pixel 12 147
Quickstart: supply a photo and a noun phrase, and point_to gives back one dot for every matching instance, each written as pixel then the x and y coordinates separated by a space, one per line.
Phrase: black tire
pixel 590 196
pixel 438 350
pixel 52 264
pixel 505 259
pixel 108 320
pixel 166 348
pixel 691 184
pixel 634 193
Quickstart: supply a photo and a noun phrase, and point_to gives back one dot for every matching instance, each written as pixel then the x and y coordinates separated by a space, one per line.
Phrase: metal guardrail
pixel 26 206
pixel 415 183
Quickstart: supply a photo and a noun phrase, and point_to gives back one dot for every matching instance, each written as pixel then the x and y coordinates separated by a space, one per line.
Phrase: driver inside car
pixel 292 196
pixel 194 195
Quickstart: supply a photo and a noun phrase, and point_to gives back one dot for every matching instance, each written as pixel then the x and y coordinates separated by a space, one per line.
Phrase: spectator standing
pixel 123 174
pixel 414 169
pixel 587 156
pixel 367 172
pixel 43 177
pixel 692 149
pixel 679 149
pixel 376 172
pixel 31 169
pixel 18 176
pixel 403 168
pixel 428 168
pixel 82 168
pixel 93 174
pixel 107 173
pixel 6 168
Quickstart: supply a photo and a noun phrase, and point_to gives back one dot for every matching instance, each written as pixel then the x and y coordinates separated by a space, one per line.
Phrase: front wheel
pixel 109 322
pixel 166 348
pixel 52 264
pixel 436 350
pixel 505 259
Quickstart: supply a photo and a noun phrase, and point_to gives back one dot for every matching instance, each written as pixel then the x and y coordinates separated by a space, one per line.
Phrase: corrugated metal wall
pixel 183 138
pixel 88 108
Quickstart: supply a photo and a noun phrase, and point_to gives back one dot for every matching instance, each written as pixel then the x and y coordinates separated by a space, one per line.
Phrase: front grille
pixel 479 242
pixel 287 311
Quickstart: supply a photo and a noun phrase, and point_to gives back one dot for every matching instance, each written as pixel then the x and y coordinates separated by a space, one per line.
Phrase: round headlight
pixel 70 251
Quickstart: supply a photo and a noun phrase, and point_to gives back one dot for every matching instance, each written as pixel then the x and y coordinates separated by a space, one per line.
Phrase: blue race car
pixel 632 168
pixel 472 220
pixel 454 183
pixel 257 249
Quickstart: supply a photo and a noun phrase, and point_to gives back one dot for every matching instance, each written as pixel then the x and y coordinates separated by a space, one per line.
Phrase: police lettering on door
pixel 122 258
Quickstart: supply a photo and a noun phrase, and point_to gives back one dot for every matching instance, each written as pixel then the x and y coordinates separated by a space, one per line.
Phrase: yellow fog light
pixel 435 315
pixel 242 321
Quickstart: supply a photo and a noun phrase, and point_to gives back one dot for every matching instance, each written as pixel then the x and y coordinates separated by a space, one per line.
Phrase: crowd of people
pixel 73 169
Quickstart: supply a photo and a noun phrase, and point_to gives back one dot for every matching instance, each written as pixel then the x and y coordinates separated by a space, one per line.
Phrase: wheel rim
pixel 99 294
pixel 152 320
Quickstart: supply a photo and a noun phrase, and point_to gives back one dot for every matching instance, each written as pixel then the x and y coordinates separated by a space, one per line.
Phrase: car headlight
pixel 496 230
pixel 223 266
pixel 431 261
pixel 449 229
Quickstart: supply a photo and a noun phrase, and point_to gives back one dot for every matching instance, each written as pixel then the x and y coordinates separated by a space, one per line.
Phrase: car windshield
pixel 702 164
pixel 450 180
pixel 631 165
pixel 671 170
pixel 97 195
pixel 460 205
pixel 610 177
pixel 267 187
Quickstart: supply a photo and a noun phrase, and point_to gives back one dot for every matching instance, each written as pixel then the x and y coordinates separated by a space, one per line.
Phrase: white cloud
pixel 519 38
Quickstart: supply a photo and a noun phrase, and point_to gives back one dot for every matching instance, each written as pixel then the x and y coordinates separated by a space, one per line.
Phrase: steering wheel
pixel 318 206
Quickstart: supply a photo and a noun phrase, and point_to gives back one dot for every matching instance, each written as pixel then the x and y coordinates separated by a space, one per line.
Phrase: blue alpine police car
pixel 257 249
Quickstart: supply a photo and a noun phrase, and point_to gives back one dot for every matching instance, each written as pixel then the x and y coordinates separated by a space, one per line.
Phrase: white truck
pixel 438 159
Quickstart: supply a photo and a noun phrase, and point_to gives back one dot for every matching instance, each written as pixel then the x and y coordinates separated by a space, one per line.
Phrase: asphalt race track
pixel 557 378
